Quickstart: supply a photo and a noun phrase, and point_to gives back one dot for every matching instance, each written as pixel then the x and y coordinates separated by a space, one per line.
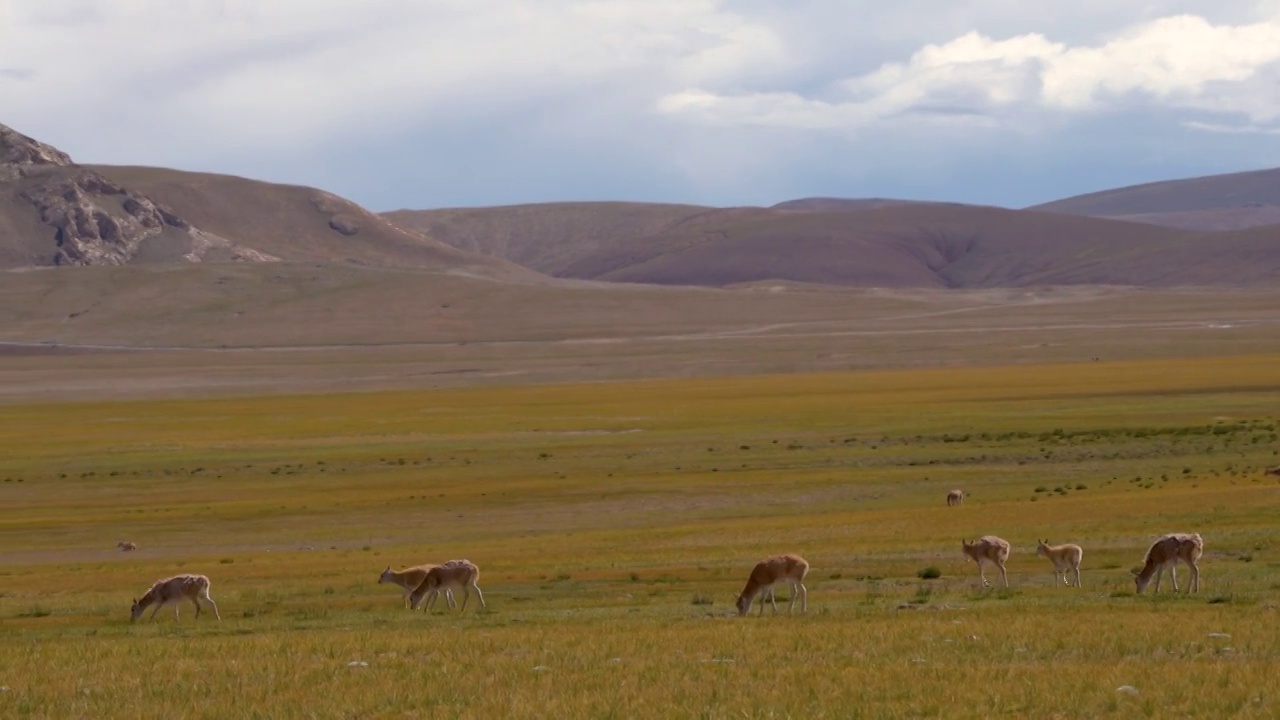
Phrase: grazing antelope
pixel 955 497
pixel 453 574
pixel 771 571
pixel 410 579
pixel 126 546
pixel 173 591
pixel 988 549
pixel 1166 552
pixel 1272 470
pixel 1064 558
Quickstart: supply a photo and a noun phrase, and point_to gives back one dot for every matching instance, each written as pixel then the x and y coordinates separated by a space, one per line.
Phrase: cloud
pixel 1182 62
pixel 16 74
pixel 294 72
pixel 475 101
pixel 1247 129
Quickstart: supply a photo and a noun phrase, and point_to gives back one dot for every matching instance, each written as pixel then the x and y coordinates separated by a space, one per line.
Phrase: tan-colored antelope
pixel 988 549
pixel 789 569
pixel 1167 552
pixel 172 591
pixel 1272 470
pixel 126 546
pixel 955 497
pixel 1065 558
pixel 454 574
pixel 409 579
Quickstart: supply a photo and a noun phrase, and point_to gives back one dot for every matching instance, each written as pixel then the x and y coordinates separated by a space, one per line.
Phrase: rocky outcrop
pixel 19 153
pixel 344 224
pixel 344 216
pixel 96 221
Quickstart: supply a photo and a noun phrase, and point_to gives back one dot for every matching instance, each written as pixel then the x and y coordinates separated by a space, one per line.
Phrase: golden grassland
pixel 615 522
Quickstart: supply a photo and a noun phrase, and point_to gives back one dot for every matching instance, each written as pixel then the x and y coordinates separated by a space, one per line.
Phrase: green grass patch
pixel 612 544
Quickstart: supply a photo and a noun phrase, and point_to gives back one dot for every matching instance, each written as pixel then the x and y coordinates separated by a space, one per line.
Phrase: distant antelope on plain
pixel 126 546
pixel 454 574
pixel 988 549
pixel 172 591
pixel 409 579
pixel 789 569
pixel 1065 558
pixel 955 497
pixel 1165 553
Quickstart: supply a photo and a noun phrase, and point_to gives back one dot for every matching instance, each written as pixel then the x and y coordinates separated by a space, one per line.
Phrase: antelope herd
pixel 427 582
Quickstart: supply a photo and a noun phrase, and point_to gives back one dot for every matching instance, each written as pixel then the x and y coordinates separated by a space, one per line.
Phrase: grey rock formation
pixel 95 221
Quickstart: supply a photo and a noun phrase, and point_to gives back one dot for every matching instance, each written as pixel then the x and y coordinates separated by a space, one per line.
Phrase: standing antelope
pixel 410 579
pixel 1166 552
pixel 126 546
pixel 771 571
pixel 173 591
pixel 1064 558
pixel 454 574
pixel 988 549
pixel 955 497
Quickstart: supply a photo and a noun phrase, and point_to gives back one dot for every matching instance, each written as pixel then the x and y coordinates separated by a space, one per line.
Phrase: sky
pixel 445 103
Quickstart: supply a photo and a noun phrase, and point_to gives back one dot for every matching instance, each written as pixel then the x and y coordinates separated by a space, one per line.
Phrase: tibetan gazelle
pixel 789 569
pixel 172 591
pixel 454 574
pixel 409 579
pixel 955 497
pixel 988 549
pixel 1065 558
pixel 1167 552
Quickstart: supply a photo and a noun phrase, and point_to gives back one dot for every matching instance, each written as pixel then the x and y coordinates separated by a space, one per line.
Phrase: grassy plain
pixel 615 522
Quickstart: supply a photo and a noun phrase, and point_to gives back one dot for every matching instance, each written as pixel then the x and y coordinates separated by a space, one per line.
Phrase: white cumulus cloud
pixel 1182 61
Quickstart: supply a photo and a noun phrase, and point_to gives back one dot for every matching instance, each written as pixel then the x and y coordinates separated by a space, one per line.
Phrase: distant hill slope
pixel 547 237
pixel 553 237
pixel 302 224
pixel 828 204
pixel 1212 203
pixel 892 245
pixel 1216 220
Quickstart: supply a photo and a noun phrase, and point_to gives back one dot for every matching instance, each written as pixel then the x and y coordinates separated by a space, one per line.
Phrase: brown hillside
pixel 920 245
pixel 302 224
pixel 1218 220
pixel 1251 198
pixel 552 237
pixel 890 244
pixel 828 204
pixel 547 237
